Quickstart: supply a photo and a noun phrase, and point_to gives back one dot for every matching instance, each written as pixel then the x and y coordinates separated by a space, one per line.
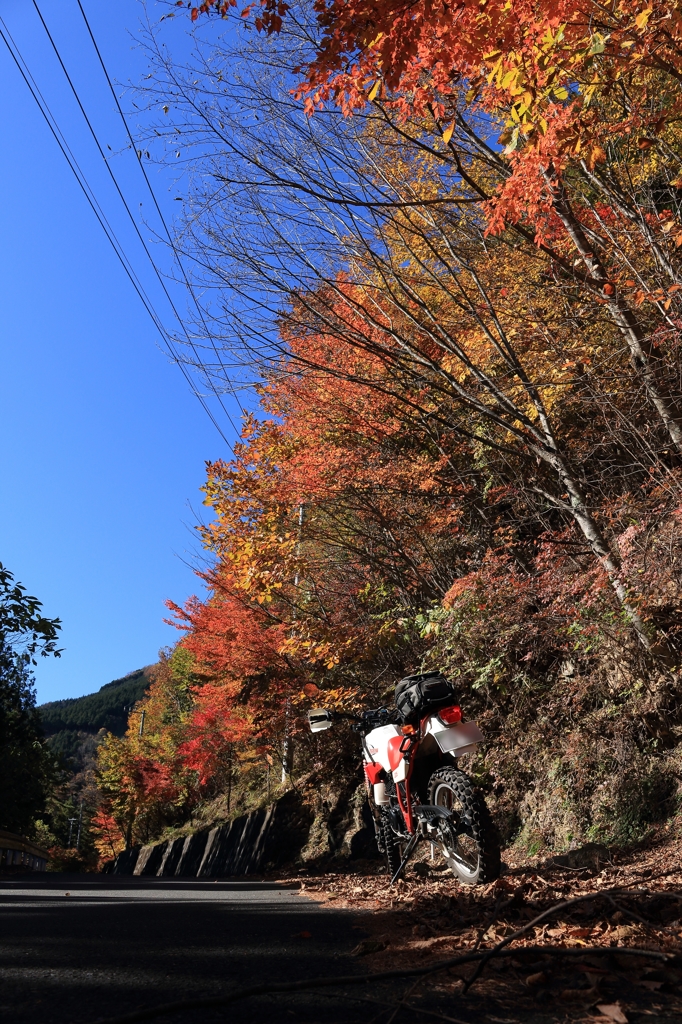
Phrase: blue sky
pixel 103 443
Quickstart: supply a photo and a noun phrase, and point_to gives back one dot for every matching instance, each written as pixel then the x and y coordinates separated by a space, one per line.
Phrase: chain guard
pixel 436 818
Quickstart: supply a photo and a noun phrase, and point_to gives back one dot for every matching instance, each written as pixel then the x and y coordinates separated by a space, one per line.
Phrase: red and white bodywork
pixel 418 795
pixel 385 747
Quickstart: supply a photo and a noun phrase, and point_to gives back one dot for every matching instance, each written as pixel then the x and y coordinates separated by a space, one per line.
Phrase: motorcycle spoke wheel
pixel 392 846
pixel 469 846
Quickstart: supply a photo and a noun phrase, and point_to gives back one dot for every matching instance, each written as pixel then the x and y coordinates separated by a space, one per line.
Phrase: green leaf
pixel 598 43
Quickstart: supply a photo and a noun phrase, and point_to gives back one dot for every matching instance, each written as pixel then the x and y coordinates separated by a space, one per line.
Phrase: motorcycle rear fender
pixel 457 740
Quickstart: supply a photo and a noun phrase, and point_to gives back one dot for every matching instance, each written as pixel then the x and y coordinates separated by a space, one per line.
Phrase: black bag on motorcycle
pixel 416 696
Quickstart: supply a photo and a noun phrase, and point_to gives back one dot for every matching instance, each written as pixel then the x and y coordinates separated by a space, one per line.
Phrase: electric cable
pixel 52 124
pixel 128 210
pixel 172 244
pixel 63 143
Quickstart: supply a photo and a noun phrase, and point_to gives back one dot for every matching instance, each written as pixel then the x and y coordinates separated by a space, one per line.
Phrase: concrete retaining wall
pixel 260 841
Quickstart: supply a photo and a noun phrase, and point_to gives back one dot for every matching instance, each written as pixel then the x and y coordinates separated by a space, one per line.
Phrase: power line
pixel 125 204
pixel 156 203
pixel 52 124
pixel 63 144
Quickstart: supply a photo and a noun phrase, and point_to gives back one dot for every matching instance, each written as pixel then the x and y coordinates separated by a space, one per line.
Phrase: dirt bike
pixel 416 789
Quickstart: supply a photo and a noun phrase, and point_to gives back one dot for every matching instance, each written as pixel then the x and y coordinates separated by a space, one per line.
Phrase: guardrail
pixel 16 851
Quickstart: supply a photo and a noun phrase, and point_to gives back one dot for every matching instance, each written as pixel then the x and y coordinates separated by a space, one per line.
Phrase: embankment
pixel 292 830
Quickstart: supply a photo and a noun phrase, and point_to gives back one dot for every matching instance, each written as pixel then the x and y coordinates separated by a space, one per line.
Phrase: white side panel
pixel 377 743
pixel 380 794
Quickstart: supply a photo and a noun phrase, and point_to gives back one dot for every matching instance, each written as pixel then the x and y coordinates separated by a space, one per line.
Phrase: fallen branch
pixel 550 912
pixel 630 913
pixel 402 1002
pixel 148 1013
pixel 402 1005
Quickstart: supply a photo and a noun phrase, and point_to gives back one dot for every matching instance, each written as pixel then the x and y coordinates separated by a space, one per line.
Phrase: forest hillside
pixel 107 708
pixel 449 250
pixel 68 723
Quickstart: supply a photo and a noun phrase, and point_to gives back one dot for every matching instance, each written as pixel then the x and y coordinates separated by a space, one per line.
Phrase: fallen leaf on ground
pixel 613 1011
pixel 624 931
pixel 368 946
pixel 536 979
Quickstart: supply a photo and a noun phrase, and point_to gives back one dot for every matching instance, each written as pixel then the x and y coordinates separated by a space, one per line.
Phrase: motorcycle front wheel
pixel 392 847
pixel 469 845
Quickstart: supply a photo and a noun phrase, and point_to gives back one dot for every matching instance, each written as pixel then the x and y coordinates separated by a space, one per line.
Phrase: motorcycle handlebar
pixel 361 723
pixel 370 719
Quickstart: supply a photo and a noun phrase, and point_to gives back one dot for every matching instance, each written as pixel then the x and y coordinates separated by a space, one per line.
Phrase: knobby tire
pixel 481 827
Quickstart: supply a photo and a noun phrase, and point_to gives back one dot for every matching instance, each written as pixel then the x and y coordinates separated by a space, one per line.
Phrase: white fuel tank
pixel 377 743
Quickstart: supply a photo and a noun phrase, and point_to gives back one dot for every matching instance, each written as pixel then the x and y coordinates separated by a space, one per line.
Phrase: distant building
pixel 17 852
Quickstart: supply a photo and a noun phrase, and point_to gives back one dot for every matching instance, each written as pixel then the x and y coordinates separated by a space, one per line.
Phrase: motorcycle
pixel 416 790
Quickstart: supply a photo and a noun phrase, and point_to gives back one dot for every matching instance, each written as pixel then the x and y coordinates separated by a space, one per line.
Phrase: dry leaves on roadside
pixel 610 921
pixel 613 1011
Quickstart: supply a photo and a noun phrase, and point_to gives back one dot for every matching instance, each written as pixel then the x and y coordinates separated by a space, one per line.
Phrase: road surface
pixel 75 949
pixel 80 949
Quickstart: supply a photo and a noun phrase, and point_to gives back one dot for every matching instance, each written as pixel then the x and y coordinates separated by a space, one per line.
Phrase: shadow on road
pixel 76 948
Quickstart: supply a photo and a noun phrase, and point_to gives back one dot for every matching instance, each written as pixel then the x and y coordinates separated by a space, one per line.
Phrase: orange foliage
pixel 216 724
pixel 568 78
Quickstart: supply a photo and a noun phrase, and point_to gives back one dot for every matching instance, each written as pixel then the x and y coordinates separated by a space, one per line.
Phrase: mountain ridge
pixel 72 724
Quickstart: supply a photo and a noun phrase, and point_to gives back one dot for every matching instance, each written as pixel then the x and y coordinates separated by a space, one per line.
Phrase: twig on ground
pixel 630 913
pixel 408 1006
pixel 148 1013
pixel 550 912
pixel 565 867
pixel 399 1004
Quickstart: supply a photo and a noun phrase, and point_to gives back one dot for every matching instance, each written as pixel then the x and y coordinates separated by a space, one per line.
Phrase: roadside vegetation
pixel 28 772
pixel 48 790
pixel 448 249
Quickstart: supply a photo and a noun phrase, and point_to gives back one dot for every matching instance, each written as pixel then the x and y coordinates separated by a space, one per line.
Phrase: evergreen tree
pixel 26 765
pixel 27 770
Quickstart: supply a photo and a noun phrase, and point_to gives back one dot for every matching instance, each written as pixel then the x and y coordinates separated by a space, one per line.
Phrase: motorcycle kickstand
pixel 414 840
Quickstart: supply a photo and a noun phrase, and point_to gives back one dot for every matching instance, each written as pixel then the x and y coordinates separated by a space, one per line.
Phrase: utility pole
pixel 71 821
pixel 287 746
pixel 141 713
pixel 80 822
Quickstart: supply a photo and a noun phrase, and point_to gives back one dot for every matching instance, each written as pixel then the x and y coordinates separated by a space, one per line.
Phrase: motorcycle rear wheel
pixel 473 855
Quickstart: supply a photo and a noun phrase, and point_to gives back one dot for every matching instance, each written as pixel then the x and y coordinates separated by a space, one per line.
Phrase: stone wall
pixel 251 844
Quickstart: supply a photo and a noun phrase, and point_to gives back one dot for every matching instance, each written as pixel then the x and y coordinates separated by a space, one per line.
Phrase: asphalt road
pixel 80 949
pixel 75 949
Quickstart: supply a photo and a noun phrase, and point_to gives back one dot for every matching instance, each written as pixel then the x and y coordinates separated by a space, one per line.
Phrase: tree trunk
pixel 642 352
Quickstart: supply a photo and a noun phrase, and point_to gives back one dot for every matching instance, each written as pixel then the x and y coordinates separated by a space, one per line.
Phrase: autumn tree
pixel 142 782
pixel 384 252
pixel 462 304
pixel 586 102
pixel 568 76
